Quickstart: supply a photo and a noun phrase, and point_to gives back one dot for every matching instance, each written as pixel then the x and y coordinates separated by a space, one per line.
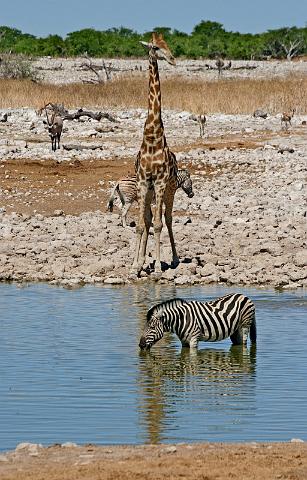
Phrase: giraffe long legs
pixel 157 224
pixel 142 231
pixel 169 201
pixel 144 239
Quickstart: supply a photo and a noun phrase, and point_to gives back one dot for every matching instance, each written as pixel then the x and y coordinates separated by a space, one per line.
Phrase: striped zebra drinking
pixel 230 316
pixel 126 190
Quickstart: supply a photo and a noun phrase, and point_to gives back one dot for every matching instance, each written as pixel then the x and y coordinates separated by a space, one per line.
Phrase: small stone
pixel 300 258
pixel 171 449
pixel 69 445
pixel 58 213
pixel 113 281
pixel 31 448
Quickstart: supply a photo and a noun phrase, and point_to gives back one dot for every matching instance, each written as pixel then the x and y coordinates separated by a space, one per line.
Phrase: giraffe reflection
pixel 211 379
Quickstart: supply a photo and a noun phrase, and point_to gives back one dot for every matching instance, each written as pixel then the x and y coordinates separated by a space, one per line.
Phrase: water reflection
pixel 193 380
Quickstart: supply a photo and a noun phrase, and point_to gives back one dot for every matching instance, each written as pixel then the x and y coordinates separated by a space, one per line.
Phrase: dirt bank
pixel 209 461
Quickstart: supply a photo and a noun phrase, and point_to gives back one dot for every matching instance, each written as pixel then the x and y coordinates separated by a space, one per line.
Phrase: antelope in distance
pixel 55 127
pixel 286 118
pixel 202 122
pixel 220 65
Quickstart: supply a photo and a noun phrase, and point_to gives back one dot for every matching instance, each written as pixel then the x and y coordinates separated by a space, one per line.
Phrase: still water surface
pixel 71 370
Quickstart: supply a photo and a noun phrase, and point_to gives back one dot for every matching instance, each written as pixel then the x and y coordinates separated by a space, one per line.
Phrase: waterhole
pixel 71 370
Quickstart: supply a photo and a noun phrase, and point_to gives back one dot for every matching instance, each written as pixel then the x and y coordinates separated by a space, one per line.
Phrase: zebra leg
pixel 237 337
pixel 112 198
pixel 125 210
pixel 192 343
pixel 240 336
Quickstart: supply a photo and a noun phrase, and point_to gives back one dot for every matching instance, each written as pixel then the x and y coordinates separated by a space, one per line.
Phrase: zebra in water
pixel 126 190
pixel 230 316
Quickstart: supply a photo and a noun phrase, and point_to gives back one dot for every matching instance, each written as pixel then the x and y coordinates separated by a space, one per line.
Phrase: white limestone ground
pixel 63 70
pixel 247 223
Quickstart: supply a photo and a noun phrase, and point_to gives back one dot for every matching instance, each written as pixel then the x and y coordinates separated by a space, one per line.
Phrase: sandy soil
pixel 207 461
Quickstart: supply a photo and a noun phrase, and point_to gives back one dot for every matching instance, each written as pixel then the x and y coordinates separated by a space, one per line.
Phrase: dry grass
pixel 226 96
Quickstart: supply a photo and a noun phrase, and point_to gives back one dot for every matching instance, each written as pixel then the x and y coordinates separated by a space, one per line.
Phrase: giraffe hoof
pixel 156 275
pixel 175 262
pixel 133 274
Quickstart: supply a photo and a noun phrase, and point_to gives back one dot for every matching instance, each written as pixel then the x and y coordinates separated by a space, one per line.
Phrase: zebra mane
pixel 160 308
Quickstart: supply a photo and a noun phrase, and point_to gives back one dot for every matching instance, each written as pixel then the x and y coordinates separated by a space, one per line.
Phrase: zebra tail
pixel 253 330
pixel 112 198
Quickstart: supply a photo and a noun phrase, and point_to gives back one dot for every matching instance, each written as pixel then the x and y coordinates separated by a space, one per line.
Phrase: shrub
pixel 17 67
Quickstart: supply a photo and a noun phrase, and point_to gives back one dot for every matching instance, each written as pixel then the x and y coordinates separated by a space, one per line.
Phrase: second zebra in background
pixel 126 191
pixel 230 316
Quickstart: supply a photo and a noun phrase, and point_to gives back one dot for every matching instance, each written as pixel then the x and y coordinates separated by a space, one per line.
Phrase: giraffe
pixel 156 166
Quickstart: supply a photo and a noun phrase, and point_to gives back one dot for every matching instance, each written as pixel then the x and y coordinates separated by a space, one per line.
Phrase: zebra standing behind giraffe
pixel 126 190
pixel 230 316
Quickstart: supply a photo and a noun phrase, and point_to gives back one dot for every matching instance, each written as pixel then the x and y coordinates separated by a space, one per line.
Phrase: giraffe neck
pixel 154 130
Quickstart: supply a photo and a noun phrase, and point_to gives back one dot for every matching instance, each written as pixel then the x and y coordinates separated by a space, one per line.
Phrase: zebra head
pixel 185 182
pixel 154 330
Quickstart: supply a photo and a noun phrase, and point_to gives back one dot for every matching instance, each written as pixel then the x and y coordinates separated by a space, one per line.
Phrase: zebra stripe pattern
pixel 126 190
pixel 230 316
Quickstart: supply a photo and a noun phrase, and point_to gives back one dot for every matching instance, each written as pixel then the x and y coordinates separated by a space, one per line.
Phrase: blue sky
pixel 42 17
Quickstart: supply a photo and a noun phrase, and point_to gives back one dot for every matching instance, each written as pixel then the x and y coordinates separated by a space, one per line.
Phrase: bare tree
pixel 292 47
pixel 98 70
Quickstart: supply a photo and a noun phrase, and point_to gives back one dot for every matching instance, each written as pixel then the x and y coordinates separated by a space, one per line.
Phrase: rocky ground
pixel 63 70
pixel 253 461
pixel 246 223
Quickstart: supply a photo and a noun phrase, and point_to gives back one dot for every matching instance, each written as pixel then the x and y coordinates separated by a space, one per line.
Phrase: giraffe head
pixel 158 48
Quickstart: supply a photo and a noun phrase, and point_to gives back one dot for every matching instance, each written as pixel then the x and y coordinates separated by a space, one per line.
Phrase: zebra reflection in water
pixel 212 380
